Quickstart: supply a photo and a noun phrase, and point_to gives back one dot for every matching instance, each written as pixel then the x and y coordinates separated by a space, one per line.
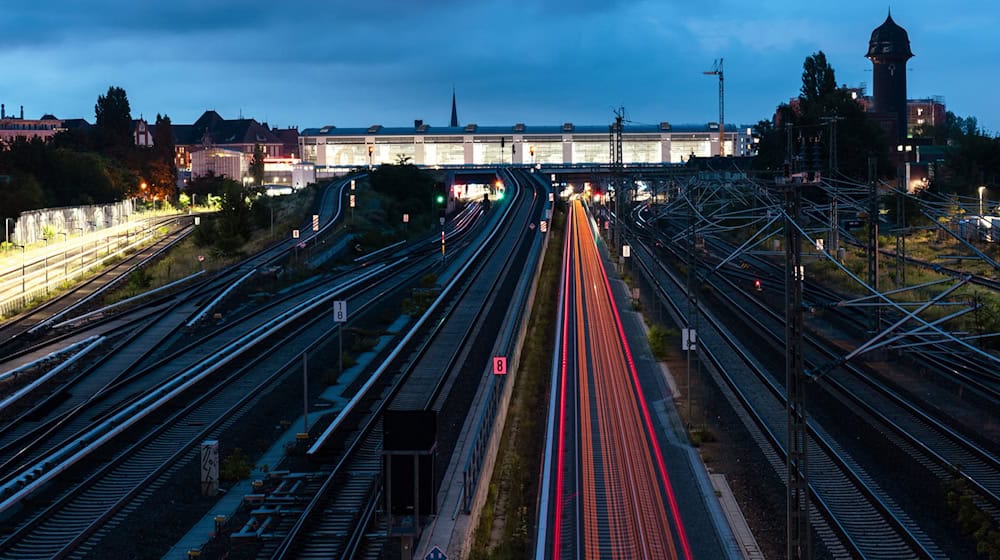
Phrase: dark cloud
pixel 355 63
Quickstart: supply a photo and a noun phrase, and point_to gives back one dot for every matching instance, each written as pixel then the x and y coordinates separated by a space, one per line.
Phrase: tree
pixel 113 119
pixel 257 166
pixel 163 145
pixel 22 192
pixel 234 223
pixel 821 102
pixel 818 80
pixel 770 148
pixel 208 184
pixel 972 158
pixel 406 189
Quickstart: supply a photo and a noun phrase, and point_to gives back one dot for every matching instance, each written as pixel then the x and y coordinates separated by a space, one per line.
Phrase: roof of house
pixel 221 131
pixel 520 129
pixel 71 124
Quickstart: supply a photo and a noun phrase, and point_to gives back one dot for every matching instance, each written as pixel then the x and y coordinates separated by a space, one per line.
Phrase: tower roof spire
pixel 889 41
pixel 454 108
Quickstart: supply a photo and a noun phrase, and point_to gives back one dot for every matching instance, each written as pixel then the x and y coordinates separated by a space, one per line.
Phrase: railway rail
pixel 149 393
pixel 415 378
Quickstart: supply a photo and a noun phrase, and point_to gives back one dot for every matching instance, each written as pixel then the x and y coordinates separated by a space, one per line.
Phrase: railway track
pixel 176 425
pixel 25 333
pixel 336 522
pixel 187 373
pixel 852 515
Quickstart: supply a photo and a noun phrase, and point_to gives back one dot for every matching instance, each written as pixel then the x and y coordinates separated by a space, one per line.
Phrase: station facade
pixel 518 144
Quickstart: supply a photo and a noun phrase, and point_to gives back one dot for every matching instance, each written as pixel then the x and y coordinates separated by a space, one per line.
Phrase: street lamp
pixel 6 235
pixel 982 190
pixel 80 229
pixel 46 265
pixel 24 299
pixel 65 249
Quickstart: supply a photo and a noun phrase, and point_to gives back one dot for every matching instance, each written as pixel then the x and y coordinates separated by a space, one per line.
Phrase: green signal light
pixel 440 199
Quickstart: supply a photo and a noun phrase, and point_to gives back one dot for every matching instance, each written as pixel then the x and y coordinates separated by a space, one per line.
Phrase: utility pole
pixel 692 293
pixel 798 543
pixel 616 173
pixel 834 219
pixel 901 238
pixel 717 71
pixel 873 242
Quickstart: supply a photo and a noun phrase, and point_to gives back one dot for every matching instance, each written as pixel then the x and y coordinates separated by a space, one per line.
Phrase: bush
pixel 659 342
pixel 204 233
pixel 139 280
pixel 235 466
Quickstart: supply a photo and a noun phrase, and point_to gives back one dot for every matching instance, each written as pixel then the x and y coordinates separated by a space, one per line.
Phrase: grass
pixel 182 259
pixel 659 341
pixel 986 319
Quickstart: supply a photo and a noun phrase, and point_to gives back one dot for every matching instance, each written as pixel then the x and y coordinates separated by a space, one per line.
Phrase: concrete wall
pixel 30 226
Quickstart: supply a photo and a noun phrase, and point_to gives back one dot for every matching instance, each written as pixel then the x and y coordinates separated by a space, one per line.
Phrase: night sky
pixel 364 62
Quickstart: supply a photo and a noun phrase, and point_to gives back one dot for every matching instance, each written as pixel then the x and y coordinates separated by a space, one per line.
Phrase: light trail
pixel 623 489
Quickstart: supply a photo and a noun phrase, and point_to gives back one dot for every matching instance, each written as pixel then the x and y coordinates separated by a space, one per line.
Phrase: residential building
pixel 142 133
pixel 232 135
pixel 13 128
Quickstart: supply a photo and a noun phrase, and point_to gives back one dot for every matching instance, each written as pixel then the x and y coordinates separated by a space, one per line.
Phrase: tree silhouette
pixel 113 120
pixel 257 166
pixel 820 104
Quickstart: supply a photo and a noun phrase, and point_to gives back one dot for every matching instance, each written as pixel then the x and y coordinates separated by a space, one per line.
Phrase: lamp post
pixel 24 299
pixel 982 190
pixel 6 235
pixel 80 229
pixel 46 265
pixel 65 249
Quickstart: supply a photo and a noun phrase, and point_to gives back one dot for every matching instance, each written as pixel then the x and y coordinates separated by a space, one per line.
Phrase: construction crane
pixel 717 71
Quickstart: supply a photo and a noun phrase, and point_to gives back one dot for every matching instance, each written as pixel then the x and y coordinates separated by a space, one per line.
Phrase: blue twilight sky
pixel 361 62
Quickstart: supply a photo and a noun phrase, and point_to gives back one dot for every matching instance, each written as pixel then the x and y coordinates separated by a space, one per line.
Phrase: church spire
pixel 454 109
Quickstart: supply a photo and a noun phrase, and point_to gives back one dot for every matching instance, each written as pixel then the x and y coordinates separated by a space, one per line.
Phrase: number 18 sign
pixel 340 310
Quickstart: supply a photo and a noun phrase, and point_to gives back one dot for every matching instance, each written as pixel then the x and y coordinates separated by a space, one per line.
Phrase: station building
pixel 332 147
